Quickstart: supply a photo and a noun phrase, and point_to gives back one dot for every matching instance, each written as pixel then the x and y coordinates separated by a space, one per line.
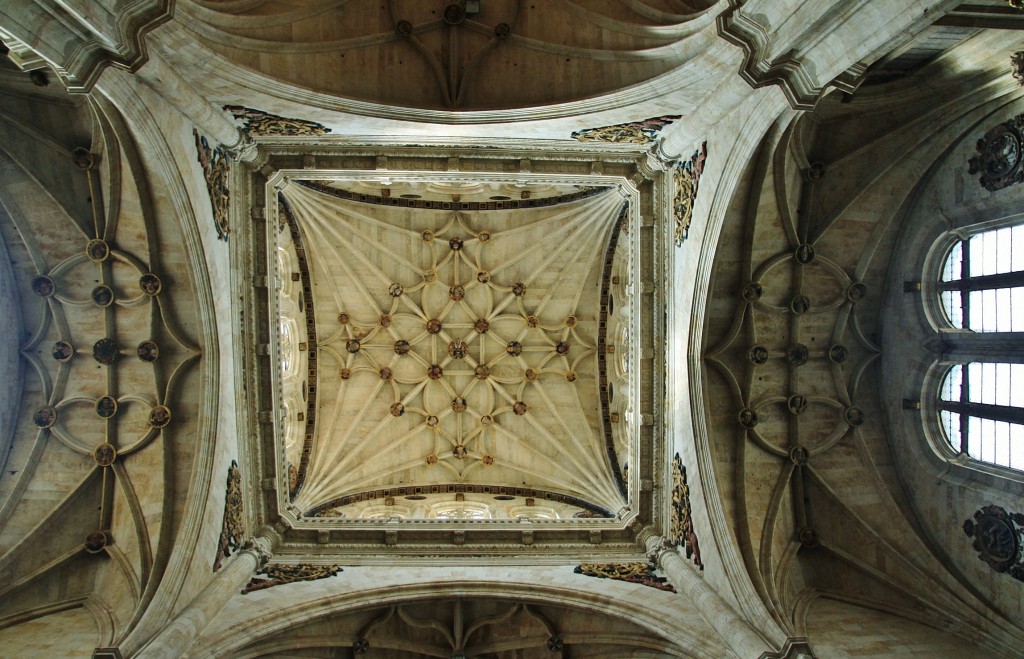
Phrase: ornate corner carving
pixel 276 575
pixel 634 132
pixel 998 537
pixel 682 533
pixel 687 175
pixel 233 526
pixel 258 123
pixel 641 573
pixel 999 155
pixel 796 647
pixel 216 166
pixel 786 71
pixel 1017 66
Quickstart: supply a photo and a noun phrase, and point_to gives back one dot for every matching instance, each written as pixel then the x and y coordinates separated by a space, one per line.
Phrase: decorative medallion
pixel 532 321
pixel 432 421
pixel 83 158
pixel 856 292
pixel 433 326
pixel 800 304
pixel 43 286
pixel 62 351
pixel 481 372
pixel 102 296
pixel 105 351
pixel 352 346
pixel 258 123
pixel 796 404
pixel 216 165
pixel 481 326
pixel 345 373
pixel 682 533
pixel 570 376
pixel 150 284
pixel 148 351
pixel 854 415
pixel 797 355
pixel 804 254
pixel 998 537
pixel 401 347
pixel 562 348
pixel 459 452
pixel 457 349
pixel 799 456
pixel 751 291
pixel 519 408
pixel 384 320
pixel 276 575
pixel 999 156
pixel 456 292
pixel 159 416
pixel 45 417
pixel 385 373
pixel 687 179
pixel 106 407
pixel 747 418
pixel 455 244
pixel 435 372
pixel 837 354
pixel 530 374
pixel 641 573
pixel 570 321
pixel 758 355
pixel 483 276
pixel 397 409
pixel 104 454
pixel 514 348
pixel 519 289
pixel 459 404
pixel 634 132
pixel 427 235
pixel 97 250
pixel 96 541
pixel 343 318
pixel 233 525
pixel 395 290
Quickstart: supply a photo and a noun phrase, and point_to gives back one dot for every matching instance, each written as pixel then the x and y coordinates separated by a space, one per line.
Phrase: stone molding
pixel 789 72
pixel 77 59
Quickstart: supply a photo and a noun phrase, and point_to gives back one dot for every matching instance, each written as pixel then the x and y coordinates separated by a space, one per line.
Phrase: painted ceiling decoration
pixel 687 179
pixel 258 123
pixel 216 164
pixel 999 156
pixel 998 538
pixel 453 351
pixel 641 573
pixel 634 132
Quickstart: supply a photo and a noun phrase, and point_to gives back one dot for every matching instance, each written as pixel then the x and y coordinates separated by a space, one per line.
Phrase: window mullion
pixel 1003 413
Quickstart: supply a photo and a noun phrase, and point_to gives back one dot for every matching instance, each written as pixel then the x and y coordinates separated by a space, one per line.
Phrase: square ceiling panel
pixel 453 351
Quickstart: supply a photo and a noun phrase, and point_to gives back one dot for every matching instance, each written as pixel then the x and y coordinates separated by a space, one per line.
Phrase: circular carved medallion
pixel 481 325
pixel 95 542
pixel 105 351
pixel 486 420
pixel 148 351
pixel 159 416
pixel 570 321
pixel 752 291
pixel 343 318
pixel 519 408
pixel 385 373
pixel 798 455
pixel 457 349
pixel 747 418
pixel 352 345
pixel 345 373
pixel 800 304
pixel 488 460
pixel 401 347
pixel 45 417
pixel 502 30
pixel 454 14
pixel 432 421
pixel 435 372
pixel 854 415
pixel 518 289
pixel 385 320
pixel 455 244
pixel 397 409
pixel 395 290
pixel 804 254
pixel 456 292
pixel 97 250
pixel 433 326
pixel 797 404
pixel 150 284
pixel 431 459
pixel 532 321
pixel 758 355
pixel 562 348
pixel 62 351
pixel 43 286
pixel 570 376
pixel 797 354
pixel 427 235
pixel 459 404
pixel 837 354
pixel 483 276
pixel 83 159
pixel 481 372
pixel 104 454
pixel 106 407
pixel 102 296
pixel 856 292
pixel 514 348
pixel 459 452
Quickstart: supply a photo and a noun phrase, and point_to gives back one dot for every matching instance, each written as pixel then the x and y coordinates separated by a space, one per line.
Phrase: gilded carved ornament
pixel 998 538
pixel 682 533
pixel 277 575
pixel 634 132
pixel 687 175
pixel 233 526
pixel 216 165
pixel 638 572
pixel 998 157
pixel 259 123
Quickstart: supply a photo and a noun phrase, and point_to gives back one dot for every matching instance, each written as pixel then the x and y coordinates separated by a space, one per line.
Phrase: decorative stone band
pixel 276 575
pixel 510 204
pixel 641 573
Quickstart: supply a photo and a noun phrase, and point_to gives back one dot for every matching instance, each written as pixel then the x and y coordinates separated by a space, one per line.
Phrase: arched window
pixel 981 406
pixel 982 283
pixel 981 400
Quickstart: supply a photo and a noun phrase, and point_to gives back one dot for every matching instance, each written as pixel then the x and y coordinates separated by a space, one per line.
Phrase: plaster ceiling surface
pixel 455 350
pixel 494 54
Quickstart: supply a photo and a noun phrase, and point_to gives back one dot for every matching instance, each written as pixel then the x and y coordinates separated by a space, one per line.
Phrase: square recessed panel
pixel 453 350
